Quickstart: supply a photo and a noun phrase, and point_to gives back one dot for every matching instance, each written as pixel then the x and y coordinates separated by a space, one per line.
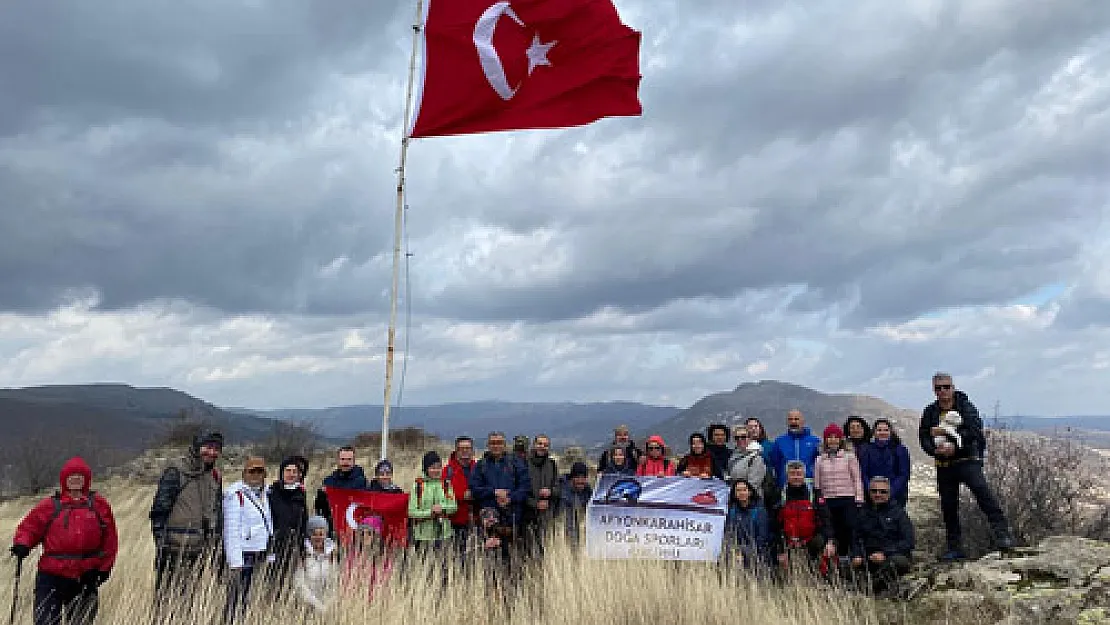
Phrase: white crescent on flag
pixel 487 54
pixel 351 522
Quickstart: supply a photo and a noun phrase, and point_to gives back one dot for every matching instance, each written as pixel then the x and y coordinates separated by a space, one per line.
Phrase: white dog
pixel 949 422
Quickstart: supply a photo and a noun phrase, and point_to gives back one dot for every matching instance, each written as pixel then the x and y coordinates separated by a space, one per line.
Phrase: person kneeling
pixel 884 539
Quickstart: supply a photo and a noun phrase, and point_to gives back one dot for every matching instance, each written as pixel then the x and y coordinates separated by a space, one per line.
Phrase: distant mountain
pixel 1092 431
pixel 125 417
pixel 587 424
pixel 770 400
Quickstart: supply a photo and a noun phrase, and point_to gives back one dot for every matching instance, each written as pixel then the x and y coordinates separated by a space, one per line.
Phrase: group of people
pixel 830 503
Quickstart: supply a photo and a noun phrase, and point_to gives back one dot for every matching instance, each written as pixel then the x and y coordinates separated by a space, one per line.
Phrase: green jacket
pixel 425 494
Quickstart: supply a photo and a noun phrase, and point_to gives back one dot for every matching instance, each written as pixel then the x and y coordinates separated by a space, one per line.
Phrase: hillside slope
pixel 587 424
pixel 770 400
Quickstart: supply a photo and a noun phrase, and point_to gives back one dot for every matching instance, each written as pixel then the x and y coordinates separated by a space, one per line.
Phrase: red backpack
pixel 799 521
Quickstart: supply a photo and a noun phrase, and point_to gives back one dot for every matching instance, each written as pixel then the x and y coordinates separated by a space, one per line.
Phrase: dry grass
pixel 562 589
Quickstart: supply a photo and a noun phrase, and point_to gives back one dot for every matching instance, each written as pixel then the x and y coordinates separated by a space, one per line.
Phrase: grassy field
pixel 563 588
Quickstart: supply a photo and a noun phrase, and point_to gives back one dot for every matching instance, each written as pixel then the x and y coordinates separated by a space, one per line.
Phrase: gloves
pixel 20 551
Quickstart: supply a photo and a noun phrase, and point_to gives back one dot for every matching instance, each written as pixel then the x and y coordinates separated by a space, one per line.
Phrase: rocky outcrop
pixel 1064 579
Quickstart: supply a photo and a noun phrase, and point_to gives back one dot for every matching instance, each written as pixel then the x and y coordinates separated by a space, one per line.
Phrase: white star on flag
pixel 537 53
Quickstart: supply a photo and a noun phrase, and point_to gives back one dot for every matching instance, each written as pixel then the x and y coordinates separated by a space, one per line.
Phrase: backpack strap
pixel 90 503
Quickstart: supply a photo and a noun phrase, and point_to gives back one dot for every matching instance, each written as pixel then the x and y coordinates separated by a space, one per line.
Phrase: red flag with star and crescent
pixel 350 507
pixel 523 64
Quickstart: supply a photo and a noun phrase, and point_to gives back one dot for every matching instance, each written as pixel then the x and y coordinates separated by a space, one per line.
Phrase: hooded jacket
pixel 458 475
pixel 186 512
pixel 79 538
pixel 248 524
pixel 801 445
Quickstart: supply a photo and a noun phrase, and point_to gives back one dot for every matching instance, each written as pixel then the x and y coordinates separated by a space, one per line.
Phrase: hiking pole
pixel 15 592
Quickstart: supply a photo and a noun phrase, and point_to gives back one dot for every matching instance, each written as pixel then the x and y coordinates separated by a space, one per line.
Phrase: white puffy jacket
pixel 248 525
pixel 317 577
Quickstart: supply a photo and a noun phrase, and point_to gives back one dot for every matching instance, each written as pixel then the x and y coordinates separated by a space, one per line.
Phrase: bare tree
pixel 289 439
pixel 183 428
pixel 1046 485
pixel 34 464
pixel 407 438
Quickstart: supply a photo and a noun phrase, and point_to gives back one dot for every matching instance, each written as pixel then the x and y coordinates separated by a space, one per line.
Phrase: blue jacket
pixel 803 446
pixel 748 530
pixel 890 461
pixel 508 472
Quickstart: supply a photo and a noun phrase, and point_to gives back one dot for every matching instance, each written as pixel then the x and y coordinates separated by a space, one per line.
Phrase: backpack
pixel 799 521
pixel 90 502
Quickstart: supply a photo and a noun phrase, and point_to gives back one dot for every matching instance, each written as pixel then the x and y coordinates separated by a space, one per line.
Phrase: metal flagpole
pixel 397 229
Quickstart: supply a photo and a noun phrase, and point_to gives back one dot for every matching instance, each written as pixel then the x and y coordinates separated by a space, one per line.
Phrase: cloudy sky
pixel 847 195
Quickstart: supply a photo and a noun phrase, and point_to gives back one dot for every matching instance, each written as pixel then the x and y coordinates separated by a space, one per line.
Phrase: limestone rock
pixel 1064 579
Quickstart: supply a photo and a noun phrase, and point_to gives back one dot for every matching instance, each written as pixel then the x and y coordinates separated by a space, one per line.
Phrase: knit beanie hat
pixel 578 469
pixel 430 458
pixel 385 466
pixel 833 429
pixel 316 522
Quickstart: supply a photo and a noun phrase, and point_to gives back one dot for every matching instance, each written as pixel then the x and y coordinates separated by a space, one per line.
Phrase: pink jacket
pixel 837 475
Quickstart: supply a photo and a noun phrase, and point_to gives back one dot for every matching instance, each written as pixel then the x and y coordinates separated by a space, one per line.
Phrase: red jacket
pixel 458 475
pixel 79 539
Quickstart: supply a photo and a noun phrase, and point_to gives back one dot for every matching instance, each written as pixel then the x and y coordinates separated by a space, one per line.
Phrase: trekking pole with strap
pixel 15 591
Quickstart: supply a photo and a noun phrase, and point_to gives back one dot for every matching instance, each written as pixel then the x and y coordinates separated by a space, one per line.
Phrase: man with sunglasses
pixel 884 539
pixel 960 464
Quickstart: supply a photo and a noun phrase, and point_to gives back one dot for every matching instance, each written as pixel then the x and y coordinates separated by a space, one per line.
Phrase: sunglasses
pixel 740 436
pixel 880 491
pixel 942 387
pixel 256 470
pixel 654 447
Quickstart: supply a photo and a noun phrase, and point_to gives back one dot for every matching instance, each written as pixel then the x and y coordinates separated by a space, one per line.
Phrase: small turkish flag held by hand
pixel 518 64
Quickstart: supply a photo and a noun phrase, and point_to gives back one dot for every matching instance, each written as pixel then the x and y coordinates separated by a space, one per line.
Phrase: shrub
pixel 1046 485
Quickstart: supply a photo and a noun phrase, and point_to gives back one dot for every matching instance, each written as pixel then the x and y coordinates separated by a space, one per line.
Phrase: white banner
pixel 656 518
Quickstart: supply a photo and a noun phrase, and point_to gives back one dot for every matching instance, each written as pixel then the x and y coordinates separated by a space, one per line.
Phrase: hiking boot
pixel 953 555
pixel 1004 541
pixel 911 588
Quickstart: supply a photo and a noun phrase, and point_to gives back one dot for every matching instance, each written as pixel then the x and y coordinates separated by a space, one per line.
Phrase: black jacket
pixel 971 430
pixel 886 528
pixel 289 511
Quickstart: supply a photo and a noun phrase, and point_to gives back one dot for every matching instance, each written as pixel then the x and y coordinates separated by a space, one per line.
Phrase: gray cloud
pixel 803 177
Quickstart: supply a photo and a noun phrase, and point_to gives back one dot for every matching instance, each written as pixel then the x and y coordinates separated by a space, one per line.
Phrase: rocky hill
pixel 770 400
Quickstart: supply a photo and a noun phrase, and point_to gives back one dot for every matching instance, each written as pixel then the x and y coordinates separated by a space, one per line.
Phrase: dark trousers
pixel 969 472
pixel 176 573
pixel 842 512
pixel 239 586
pixel 884 575
pixel 57 597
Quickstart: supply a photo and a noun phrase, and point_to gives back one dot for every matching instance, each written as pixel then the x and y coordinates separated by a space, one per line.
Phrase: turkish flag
pixel 519 64
pixel 349 507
